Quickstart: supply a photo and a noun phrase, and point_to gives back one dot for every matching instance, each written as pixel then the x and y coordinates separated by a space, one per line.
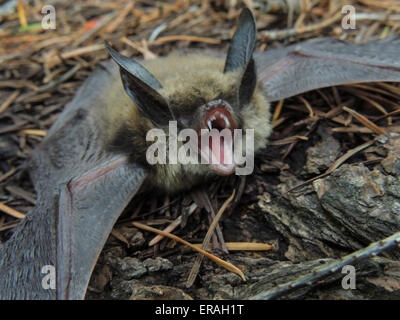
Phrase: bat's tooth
pixel 209 124
pixel 227 123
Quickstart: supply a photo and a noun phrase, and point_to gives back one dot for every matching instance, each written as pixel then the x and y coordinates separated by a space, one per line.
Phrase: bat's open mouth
pixel 220 124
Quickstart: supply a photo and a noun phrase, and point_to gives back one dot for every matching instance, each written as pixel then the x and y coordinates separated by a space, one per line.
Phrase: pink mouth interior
pixel 219 118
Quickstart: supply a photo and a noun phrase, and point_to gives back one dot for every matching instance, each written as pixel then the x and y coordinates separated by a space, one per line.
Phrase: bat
pixel 92 162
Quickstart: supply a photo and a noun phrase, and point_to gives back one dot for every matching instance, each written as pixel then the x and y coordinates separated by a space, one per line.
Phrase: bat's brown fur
pixel 188 82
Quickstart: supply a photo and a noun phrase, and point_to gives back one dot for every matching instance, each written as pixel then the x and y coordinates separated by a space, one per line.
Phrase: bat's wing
pixel 82 189
pixel 88 207
pixel 326 62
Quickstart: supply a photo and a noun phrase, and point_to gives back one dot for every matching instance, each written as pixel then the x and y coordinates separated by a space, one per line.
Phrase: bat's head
pixel 209 95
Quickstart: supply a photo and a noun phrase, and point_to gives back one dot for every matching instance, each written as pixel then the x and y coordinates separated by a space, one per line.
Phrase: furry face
pixel 198 92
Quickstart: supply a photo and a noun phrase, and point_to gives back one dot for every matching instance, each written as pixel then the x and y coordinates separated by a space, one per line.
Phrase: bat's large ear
pixel 142 87
pixel 240 55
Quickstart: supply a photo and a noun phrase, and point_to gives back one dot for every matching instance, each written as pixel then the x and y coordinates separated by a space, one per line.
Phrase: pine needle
pixel 242 246
pixel 165 39
pixel 34 132
pixel 9 101
pixel 366 122
pixel 12 212
pixel 278 110
pixel 196 266
pixel 21 14
pixel 217 260
pixel 288 140
pixel 336 164
pixel 171 227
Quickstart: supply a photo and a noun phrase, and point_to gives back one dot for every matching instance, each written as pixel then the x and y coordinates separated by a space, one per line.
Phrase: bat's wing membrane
pixel 94 185
pixel 326 62
pixel 88 207
pixel 82 190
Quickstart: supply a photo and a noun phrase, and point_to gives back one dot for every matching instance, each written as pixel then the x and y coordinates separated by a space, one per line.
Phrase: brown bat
pixel 92 161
